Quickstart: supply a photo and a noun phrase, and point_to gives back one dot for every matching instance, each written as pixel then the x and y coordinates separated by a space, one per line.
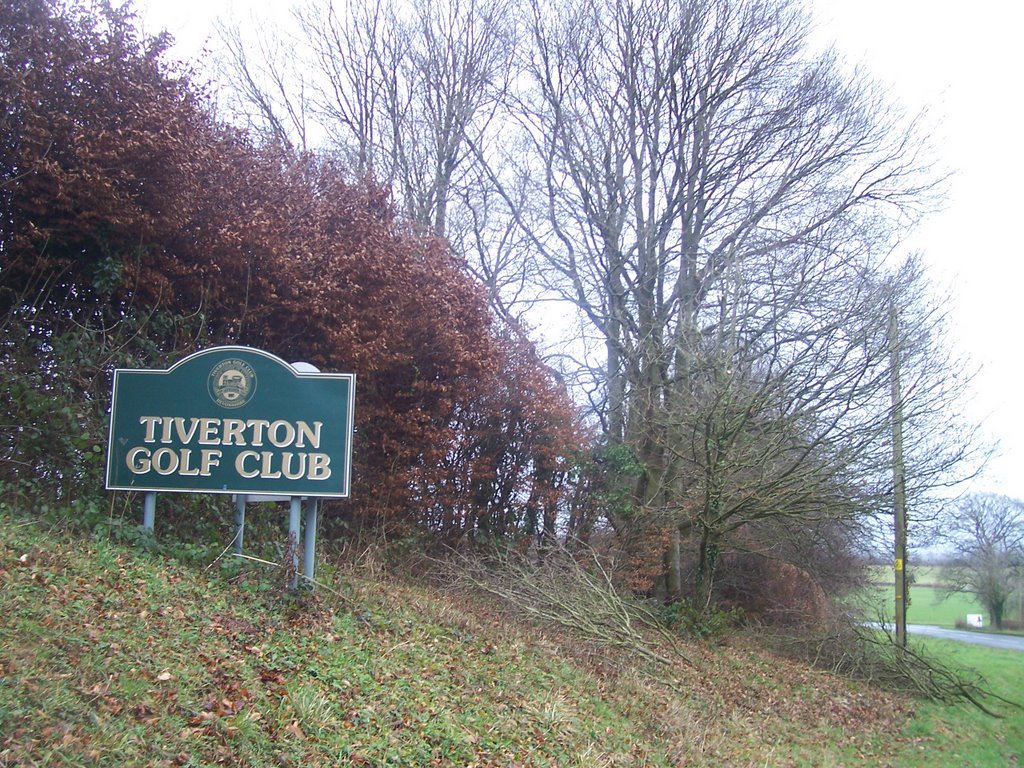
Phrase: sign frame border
pixel 149 488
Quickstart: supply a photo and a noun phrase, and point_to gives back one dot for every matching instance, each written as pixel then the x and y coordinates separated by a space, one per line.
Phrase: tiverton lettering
pixel 254 432
pixel 249 464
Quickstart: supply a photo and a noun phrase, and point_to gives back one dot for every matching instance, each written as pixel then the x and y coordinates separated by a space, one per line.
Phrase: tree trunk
pixel 707 560
pixel 674 568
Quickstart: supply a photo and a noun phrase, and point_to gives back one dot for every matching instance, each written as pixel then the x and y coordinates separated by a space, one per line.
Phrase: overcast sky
pixel 961 62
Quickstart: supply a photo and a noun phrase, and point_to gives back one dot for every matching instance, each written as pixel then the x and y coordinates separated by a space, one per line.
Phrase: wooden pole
pixel 899 491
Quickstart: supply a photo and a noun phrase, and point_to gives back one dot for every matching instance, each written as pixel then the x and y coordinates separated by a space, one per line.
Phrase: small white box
pixel 975 620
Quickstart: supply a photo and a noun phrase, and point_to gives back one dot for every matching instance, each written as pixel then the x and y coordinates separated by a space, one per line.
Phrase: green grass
pixel 112 655
pixel 963 735
pixel 921 574
pixel 107 653
pixel 928 605
pixel 954 734
pixel 930 600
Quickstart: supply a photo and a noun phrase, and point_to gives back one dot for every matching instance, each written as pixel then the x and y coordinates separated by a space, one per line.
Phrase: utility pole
pixel 899 490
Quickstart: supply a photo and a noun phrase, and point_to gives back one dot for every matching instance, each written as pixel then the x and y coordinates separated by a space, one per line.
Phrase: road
pixel 1008 642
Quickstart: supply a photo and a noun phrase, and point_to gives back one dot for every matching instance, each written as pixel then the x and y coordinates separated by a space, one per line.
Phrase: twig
pixel 224 551
pixel 580 598
pixel 345 599
pixel 257 560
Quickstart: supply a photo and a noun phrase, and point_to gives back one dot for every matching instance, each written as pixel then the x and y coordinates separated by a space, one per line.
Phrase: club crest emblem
pixel 232 383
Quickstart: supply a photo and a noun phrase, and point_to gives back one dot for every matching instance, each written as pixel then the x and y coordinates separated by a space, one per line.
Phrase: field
pixel 116 654
pixel 930 601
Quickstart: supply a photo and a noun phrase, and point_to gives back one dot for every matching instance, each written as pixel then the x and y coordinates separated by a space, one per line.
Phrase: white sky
pixel 964 63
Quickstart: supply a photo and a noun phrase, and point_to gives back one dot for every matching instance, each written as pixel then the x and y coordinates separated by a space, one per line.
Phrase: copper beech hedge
pixel 122 195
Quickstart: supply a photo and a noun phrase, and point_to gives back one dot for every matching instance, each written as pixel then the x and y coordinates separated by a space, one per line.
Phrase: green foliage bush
pixel 705 623
pixel 620 468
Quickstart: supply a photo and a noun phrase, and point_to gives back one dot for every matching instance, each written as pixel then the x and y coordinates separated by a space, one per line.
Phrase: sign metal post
pixel 149 511
pixel 240 501
pixel 292 550
pixel 308 559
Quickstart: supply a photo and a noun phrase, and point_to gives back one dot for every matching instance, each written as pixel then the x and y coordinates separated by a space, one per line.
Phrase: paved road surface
pixel 1009 642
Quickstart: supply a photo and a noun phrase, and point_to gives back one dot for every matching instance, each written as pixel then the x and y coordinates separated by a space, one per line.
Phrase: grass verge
pixel 962 735
pixel 112 654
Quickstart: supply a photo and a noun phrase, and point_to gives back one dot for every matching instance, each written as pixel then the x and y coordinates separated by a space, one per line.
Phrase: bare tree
pixel 943 448
pixel 269 87
pixel 412 94
pixel 715 201
pixel 717 205
pixel 408 85
pixel 987 533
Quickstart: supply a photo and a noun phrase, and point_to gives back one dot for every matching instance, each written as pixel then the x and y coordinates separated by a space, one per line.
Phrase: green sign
pixel 231 420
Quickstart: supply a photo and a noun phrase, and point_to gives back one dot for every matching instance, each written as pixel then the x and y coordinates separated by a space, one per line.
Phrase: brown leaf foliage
pixel 121 192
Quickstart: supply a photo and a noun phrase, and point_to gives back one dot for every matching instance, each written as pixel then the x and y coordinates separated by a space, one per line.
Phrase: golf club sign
pixel 232 420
